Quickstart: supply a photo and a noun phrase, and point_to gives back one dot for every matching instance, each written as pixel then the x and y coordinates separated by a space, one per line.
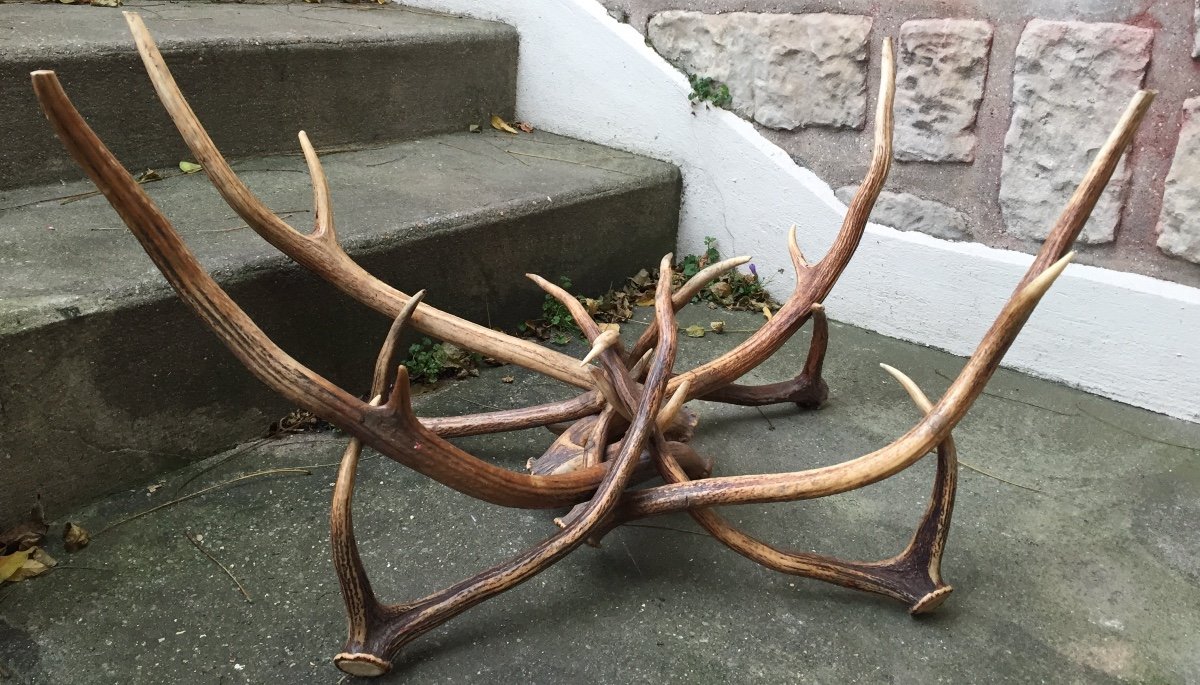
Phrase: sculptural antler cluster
pixel 629 424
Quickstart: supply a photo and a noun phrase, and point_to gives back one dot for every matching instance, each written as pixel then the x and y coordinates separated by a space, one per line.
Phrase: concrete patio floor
pixel 1084 567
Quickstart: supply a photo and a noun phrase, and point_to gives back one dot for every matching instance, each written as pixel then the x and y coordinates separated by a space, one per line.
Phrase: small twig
pixel 481 404
pixel 993 476
pixel 238 452
pixel 1135 434
pixel 196 543
pixel 1010 399
pixel 674 530
pixel 567 161
pixel 770 426
pixel 253 444
pixel 177 500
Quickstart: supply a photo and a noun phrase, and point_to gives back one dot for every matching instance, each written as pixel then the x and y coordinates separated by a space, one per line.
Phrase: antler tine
pixel 1073 217
pixel 799 263
pixel 323 226
pixel 389 431
pixel 933 428
pixel 819 278
pixel 319 252
pixel 686 292
pixel 373 655
pixel 807 389
pixel 605 340
pixel 363 608
pixel 387 353
pixel 913 576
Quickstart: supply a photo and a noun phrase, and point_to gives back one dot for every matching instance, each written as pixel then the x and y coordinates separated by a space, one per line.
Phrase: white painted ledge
pixel 583 74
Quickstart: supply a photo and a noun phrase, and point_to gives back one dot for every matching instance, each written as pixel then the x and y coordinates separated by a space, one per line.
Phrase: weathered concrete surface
pixel 1072 81
pixel 1179 223
pixel 344 74
pixel 1087 577
pixel 108 376
pixel 785 71
pixel 940 73
pixel 908 212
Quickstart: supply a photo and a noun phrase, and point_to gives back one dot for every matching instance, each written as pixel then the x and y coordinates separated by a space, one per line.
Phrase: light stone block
pixel 1071 82
pixel 784 71
pixel 942 66
pixel 1179 221
pixel 908 212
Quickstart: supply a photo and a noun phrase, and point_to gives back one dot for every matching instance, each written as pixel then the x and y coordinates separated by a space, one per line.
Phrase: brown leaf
pixel 11 563
pixel 502 125
pixel 717 326
pixel 27 534
pixel 647 301
pixel 507 379
pixel 528 128
pixel 35 565
pixel 75 537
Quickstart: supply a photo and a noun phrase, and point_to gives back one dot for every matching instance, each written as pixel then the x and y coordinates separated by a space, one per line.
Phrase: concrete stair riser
pixel 255 75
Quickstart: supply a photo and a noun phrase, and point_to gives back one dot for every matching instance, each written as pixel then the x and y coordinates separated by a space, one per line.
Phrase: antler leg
pixel 378 632
pixel 913 576
pixel 807 390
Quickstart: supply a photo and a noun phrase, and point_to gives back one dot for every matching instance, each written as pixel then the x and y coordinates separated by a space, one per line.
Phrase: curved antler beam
pixel 394 430
pixel 371 650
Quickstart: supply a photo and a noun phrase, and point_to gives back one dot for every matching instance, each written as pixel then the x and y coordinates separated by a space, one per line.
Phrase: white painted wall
pixel 583 74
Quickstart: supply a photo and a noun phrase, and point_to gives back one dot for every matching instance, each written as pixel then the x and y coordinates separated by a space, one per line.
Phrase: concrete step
pixel 109 378
pixel 255 74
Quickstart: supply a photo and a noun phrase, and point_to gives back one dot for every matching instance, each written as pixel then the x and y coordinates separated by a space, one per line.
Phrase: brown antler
pixel 321 253
pixel 624 437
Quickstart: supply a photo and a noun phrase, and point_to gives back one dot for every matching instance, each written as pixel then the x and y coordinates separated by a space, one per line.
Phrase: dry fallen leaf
pixel 12 563
pixel 647 301
pixel 717 326
pixel 507 379
pixel 75 537
pixel 528 128
pixel 502 125
pixel 475 128
pixel 27 534
pixel 37 563
pixel 106 3
pixel 766 312
pixel 694 332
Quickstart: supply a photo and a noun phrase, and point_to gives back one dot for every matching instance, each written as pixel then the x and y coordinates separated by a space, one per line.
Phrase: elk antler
pixel 378 632
pixel 321 253
pixel 625 435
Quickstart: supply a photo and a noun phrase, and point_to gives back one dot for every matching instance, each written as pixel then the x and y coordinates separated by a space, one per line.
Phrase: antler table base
pixel 629 423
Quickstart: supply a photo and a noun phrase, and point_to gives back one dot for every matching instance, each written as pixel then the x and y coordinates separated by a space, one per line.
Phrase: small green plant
pixel 706 89
pixel 691 264
pixel 734 290
pixel 555 323
pixel 426 361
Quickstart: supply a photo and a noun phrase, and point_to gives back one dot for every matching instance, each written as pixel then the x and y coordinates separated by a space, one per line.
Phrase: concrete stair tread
pixel 50 31
pixel 58 261
pixel 254 74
